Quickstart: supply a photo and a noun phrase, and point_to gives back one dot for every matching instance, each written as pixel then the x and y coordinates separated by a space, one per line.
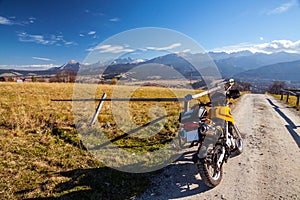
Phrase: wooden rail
pixel 186 100
pixel 195 96
pixel 292 92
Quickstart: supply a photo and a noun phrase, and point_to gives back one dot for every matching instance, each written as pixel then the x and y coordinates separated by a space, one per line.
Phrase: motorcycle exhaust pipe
pixel 203 129
pixel 206 129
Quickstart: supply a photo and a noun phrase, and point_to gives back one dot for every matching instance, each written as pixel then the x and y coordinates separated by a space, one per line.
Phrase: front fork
pixel 216 158
pixel 221 158
pixel 227 143
pixel 237 131
pixel 230 141
pixel 225 137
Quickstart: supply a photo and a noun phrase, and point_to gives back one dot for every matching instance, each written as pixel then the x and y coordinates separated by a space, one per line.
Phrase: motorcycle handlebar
pixel 205 104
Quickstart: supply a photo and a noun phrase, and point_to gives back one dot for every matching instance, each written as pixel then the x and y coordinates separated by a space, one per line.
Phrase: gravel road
pixel 269 167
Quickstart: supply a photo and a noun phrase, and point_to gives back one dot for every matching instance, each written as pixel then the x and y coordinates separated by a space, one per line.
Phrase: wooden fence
pixel 186 100
pixel 291 92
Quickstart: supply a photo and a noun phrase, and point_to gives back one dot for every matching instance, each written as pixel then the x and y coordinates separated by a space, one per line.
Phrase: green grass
pixel 41 152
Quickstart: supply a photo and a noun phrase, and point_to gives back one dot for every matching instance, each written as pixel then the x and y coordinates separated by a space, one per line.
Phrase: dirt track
pixel 269 167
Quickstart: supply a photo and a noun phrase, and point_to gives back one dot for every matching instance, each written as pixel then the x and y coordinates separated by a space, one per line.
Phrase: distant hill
pixel 289 71
pixel 224 55
pixel 71 65
pixel 236 64
pixel 18 73
pixel 244 64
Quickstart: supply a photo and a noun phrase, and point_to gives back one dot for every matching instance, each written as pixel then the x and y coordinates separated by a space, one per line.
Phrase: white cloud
pixel 261 38
pixel 70 43
pixel 281 45
pixel 186 50
pixel 31 20
pixel 5 21
pixel 45 40
pixel 283 8
pixel 172 46
pixel 274 46
pixel 44 59
pixel 107 48
pixel 91 32
pixel 39 39
pixel 116 19
pixel 81 35
pixel 111 49
pixel 29 67
pixel 91 12
pixel 12 21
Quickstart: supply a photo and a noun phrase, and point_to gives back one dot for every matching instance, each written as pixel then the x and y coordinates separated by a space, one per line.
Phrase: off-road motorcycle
pixel 212 128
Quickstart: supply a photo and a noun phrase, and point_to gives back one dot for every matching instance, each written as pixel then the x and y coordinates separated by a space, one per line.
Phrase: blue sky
pixel 44 33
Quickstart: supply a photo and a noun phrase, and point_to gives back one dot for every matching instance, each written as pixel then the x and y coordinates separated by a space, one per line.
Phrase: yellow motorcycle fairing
pixel 221 112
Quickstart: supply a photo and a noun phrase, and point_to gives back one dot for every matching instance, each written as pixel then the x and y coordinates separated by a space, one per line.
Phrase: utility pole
pixel 191 76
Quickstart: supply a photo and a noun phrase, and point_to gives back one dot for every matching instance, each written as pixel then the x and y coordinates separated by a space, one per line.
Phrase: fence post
pixel 287 97
pixel 281 98
pixel 297 102
pixel 186 106
pixel 98 109
pixel 187 101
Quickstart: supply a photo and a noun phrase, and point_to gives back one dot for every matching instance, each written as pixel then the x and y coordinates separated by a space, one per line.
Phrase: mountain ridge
pixel 287 71
pixel 229 64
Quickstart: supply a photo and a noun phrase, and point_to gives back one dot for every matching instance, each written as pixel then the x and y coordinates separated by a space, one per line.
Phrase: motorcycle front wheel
pixel 208 169
pixel 238 139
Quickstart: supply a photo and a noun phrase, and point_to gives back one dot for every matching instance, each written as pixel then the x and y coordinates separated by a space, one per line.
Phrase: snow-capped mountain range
pixel 229 64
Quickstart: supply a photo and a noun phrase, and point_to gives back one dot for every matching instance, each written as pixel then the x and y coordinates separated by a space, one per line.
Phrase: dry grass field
pixel 42 155
pixel 292 100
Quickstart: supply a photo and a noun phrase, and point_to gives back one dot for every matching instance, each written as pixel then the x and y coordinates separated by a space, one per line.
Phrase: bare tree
pixel 65 76
pixel 276 86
